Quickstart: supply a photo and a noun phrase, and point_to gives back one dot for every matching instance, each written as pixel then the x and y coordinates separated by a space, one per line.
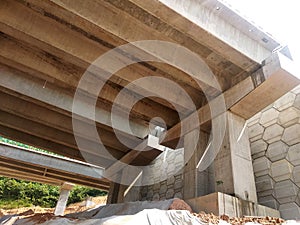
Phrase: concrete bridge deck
pixel 36 166
pixel 47 45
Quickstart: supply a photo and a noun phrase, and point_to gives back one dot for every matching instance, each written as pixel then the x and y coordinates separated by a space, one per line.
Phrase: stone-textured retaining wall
pixel 275 144
pixel 165 174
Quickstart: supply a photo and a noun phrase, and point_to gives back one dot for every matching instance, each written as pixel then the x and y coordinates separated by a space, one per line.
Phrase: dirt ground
pixel 76 207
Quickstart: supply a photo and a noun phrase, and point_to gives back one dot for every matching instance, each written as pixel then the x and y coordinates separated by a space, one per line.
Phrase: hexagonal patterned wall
pixel 275 145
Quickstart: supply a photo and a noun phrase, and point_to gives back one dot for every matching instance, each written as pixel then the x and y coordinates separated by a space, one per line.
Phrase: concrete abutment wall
pixel 275 147
pixel 274 136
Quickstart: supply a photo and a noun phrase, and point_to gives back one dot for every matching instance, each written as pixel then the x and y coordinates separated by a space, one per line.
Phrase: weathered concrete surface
pixel 276 155
pixel 277 68
pixel 219 204
pixel 233 164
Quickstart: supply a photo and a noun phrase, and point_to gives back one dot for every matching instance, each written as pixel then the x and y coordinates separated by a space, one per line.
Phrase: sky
pixel 281 18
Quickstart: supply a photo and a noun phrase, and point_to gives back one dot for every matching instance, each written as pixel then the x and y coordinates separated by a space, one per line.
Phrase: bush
pixel 17 193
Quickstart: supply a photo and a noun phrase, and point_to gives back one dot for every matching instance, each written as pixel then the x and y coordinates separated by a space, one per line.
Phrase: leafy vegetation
pixel 17 193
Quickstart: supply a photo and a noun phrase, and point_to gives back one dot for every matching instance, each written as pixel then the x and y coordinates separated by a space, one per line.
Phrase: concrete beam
pixel 52 146
pixel 50 161
pixel 114 169
pixel 61 122
pixel 231 97
pixel 278 76
pixel 52 70
pixel 20 170
pixel 249 96
pixel 15 81
pixel 93 27
pixel 139 30
pixel 73 46
pixel 56 136
pixel 215 25
pixel 29 177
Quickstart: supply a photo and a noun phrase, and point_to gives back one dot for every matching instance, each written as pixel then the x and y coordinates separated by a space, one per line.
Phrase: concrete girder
pixel 220 29
pixel 52 146
pixel 48 164
pixel 73 45
pixel 56 136
pixel 41 115
pixel 115 25
pixel 275 69
pixel 57 99
pixel 59 72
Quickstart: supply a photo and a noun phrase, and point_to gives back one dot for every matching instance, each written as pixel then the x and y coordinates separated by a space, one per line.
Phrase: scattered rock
pixel 179 204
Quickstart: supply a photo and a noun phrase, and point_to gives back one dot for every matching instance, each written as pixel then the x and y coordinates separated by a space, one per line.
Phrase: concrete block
pixel 163 189
pixel 256 138
pixel 296 175
pixel 255 119
pixel 258 155
pixel 156 187
pixel 170 194
pixel 178 159
pixel 277 151
pixel 255 130
pixel 261 166
pixel 297 102
pixel 296 90
pixel 258 146
pixel 293 155
pixel 273 133
pixel 269 117
pixel 269 201
pixel 178 195
pixel 267 108
pixel 289 117
pixel 219 203
pixel 281 170
pixel 285 191
pixel 264 183
pixel 285 101
pixel 291 135
pixel 290 211
pixel 269 211
pixel 264 193
pixel 150 194
pixel 171 169
pixel 170 180
pixel 155 197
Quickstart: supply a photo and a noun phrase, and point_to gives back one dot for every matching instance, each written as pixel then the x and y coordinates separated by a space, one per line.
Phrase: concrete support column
pixel 113 193
pixel 63 199
pixel 233 164
pixel 195 183
pixel 116 191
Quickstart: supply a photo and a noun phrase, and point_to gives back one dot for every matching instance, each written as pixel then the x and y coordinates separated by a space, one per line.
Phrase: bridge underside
pixel 46 46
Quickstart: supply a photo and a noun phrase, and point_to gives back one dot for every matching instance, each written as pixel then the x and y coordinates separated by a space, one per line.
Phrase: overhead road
pixel 21 163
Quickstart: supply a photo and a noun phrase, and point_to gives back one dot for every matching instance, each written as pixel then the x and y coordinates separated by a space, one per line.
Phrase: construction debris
pixel 213 219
